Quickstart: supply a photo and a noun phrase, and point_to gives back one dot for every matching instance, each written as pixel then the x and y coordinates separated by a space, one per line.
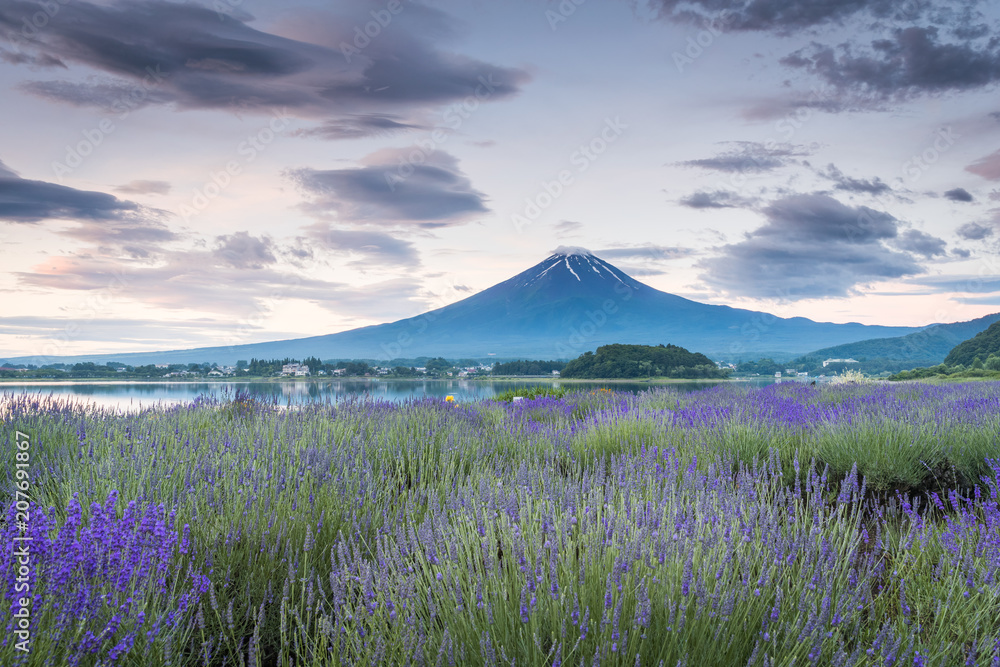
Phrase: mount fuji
pixel 569 303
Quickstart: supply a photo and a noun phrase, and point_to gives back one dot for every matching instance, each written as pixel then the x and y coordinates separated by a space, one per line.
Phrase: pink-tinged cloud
pixel 988 167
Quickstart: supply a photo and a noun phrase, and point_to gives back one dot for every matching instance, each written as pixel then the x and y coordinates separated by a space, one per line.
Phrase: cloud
pixel 812 246
pixel 646 251
pixel 111 224
pixel 910 62
pixel 359 126
pixel 988 167
pixel 144 188
pixel 958 194
pixel 372 249
pixel 193 57
pixel 966 284
pixel 567 228
pixel 782 17
pixel 750 156
pixel 920 243
pixel 243 251
pixel 393 189
pixel 874 186
pixel 88 328
pixel 991 300
pixel 973 231
pixel 205 281
pixel 27 201
pixel 715 199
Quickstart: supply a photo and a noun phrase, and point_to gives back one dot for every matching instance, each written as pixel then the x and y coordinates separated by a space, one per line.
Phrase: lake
pixel 135 395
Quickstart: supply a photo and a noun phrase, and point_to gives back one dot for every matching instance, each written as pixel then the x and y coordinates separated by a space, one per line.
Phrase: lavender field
pixel 785 525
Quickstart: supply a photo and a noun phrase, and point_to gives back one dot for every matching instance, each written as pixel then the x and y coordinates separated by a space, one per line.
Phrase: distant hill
pixel 634 361
pixel 982 345
pixel 567 304
pixel 926 347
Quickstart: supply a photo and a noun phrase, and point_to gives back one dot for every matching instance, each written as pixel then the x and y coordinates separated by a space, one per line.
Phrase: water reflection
pixel 133 395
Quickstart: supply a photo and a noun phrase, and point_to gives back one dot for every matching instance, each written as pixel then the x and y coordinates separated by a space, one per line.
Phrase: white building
pixel 298 370
pixel 840 361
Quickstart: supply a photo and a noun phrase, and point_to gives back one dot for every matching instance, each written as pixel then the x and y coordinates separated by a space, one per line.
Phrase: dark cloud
pixel 715 199
pixel 394 188
pixel 988 167
pixel 961 252
pixel 372 249
pixel 24 200
pixel 781 17
pixel 920 243
pixel 973 231
pixel 958 194
pixel 874 186
pixel 812 246
pixel 750 156
pixel 193 57
pixel 244 251
pixel 144 188
pixel 911 61
pixel 111 224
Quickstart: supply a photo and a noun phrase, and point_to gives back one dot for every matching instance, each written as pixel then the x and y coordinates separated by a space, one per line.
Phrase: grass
pixel 728 526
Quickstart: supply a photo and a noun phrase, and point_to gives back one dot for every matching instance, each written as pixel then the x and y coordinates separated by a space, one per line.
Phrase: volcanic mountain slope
pixel 567 304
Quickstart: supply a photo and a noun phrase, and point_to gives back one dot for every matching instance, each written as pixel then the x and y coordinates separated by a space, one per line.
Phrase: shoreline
pixel 534 379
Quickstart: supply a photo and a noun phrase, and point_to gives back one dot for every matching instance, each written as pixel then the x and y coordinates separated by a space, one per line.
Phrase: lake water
pixel 134 395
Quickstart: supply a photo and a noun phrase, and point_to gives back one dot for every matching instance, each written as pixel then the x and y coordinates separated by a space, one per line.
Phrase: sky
pixel 185 174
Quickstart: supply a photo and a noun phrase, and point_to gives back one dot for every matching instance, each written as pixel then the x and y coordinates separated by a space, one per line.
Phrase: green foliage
pixel 530 392
pixel 982 345
pixel 438 365
pixel 635 361
pixel 760 367
pixel 525 367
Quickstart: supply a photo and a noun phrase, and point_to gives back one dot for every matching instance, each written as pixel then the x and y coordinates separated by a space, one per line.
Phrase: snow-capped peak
pixel 572 251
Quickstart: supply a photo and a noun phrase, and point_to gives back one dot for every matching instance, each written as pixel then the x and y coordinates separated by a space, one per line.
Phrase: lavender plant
pixel 848 525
